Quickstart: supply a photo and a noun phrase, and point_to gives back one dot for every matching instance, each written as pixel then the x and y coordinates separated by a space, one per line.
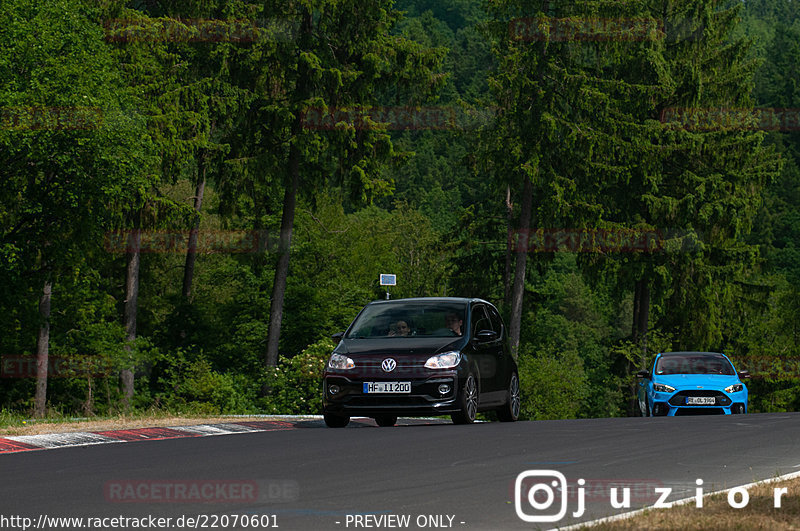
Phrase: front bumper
pixel 677 403
pixel 425 397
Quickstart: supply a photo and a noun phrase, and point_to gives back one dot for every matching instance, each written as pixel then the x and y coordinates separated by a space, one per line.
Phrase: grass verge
pixel 718 514
pixel 12 424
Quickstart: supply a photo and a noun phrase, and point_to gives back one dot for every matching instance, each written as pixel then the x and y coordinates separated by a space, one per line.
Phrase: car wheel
pixel 385 421
pixel 468 402
pixel 336 421
pixel 510 411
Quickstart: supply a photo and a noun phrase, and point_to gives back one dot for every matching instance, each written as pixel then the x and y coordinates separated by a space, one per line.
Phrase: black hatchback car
pixel 423 356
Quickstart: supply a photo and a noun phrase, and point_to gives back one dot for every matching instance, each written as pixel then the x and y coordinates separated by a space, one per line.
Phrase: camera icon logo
pixel 533 485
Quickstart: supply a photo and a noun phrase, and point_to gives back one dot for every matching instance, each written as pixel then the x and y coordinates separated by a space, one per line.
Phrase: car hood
pixel 399 346
pixel 710 381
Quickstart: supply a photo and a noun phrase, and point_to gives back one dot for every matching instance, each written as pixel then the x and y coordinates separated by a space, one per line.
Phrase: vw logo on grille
pixel 388 365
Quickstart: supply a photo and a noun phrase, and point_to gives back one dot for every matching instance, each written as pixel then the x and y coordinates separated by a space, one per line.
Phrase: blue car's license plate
pixel 387 387
pixel 700 400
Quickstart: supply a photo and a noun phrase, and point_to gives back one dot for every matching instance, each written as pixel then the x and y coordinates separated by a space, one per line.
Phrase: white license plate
pixel 700 400
pixel 387 387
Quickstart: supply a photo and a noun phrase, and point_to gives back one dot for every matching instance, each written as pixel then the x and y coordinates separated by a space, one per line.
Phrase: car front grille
pixel 679 398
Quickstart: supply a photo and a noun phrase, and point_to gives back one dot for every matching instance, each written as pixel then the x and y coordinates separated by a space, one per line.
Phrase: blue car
pixel 692 383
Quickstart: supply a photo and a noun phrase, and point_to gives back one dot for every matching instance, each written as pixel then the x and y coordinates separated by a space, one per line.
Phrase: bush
pixel 296 383
pixel 553 385
pixel 194 387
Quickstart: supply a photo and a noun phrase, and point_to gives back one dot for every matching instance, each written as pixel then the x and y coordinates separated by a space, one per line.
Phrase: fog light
pixel 333 389
pixel 444 389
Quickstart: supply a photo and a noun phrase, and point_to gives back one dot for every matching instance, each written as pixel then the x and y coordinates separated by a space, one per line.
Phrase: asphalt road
pixel 436 475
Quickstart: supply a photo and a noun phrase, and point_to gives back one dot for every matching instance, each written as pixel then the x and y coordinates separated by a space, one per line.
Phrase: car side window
pixel 497 321
pixel 480 321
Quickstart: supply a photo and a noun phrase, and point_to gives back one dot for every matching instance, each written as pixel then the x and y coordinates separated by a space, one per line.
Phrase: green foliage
pixel 192 386
pixel 296 383
pixel 553 384
pixel 580 120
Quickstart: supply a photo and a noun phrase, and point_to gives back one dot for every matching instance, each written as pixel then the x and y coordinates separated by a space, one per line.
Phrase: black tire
pixel 468 401
pixel 385 421
pixel 509 412
pixel 336 421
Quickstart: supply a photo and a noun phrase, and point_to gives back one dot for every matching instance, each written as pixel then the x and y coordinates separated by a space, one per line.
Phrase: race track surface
pixel 423 474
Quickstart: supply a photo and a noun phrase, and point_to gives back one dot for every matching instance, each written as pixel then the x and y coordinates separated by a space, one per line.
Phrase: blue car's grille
pixel 679 398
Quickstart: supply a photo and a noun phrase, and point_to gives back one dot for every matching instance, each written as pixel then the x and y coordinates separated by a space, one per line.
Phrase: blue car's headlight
pixel 735 388
pixel 663 388
pixel 338 361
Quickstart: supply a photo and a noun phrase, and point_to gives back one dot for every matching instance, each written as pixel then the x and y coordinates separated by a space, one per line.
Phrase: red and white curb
pixel 23 443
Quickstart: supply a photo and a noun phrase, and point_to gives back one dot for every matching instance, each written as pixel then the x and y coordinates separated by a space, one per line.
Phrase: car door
pixel 486 353
pixel 643 385
pixel 504 362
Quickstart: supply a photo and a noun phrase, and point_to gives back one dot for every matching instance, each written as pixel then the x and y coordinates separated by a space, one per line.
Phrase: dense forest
pixel 197 194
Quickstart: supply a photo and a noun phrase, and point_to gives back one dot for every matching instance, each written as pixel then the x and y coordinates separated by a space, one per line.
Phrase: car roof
pixel 462 300
pixel 693 353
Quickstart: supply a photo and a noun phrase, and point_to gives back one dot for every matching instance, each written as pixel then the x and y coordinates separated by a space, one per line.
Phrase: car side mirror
pixel 744 375
pixel 484 336
pixel 643 374
pixel 337 336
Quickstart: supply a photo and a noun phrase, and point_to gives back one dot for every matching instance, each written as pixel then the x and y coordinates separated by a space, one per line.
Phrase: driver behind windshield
pixel 453 322
pixel 400 328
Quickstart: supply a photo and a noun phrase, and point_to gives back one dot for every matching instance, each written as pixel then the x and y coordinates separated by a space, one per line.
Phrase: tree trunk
pixel 289 204
pixel 43 351
pixel 521 252
pixel 131 302
pixel 282 269
pixel 635 324
pixel 191 252
pixel 644 317
pixel 509 248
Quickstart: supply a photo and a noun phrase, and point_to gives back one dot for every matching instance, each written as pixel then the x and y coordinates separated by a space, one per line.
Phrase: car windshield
pixel 694 364
pixel 409 319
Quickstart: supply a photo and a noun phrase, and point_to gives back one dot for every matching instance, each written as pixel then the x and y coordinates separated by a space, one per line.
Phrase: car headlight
pixel 339 361
pixel 735 388
pixel 446 360
pixel 663 388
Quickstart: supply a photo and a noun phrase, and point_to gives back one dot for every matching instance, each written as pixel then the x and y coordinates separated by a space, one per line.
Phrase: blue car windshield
pixel 694 364
pixel 410 319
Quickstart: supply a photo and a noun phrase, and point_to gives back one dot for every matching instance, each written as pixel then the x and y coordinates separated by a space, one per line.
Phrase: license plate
pixel 700 400
pixel 387 387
